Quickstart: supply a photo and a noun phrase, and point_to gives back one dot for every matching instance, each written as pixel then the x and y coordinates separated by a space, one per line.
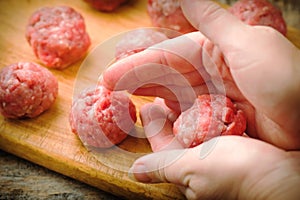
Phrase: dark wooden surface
pixel 21 179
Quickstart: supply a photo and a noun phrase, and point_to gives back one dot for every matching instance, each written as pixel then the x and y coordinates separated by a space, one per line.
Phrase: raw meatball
pixel 106 5
pixel 168 14
pixel 138 40
pixel 102 118
pixel 26 90
pixel 210 116
pixel 259 12
pixel 57 36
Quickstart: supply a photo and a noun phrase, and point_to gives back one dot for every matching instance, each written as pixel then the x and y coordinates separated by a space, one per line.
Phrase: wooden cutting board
pixel 48 140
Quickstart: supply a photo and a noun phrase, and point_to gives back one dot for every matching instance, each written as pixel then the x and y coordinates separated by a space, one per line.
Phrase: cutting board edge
pixel 79 171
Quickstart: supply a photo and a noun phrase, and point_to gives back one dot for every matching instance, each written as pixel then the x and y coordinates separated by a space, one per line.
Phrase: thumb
pixel 216 23
pixel 175 166
pixel 158 167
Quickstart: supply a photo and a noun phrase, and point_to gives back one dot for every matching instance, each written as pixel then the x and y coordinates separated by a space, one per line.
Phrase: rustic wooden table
pixel 21 179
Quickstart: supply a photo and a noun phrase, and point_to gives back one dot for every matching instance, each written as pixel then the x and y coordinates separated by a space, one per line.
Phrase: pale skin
pixel 259 70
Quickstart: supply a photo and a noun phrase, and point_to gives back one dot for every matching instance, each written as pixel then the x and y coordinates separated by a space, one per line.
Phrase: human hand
pixel 227 167
pixel 256 67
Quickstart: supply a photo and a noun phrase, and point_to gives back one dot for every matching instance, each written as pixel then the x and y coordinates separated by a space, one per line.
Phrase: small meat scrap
pixel 138 40
pixel 57 36
pixel 106 5
pixel 210 116
pixel 259 12
pixel 26 90
pixel 168 14
pixel 102 118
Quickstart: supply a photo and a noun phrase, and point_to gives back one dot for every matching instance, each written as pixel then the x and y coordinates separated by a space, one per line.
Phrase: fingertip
pixel 116 76
pixel 138 172
pixel 215 22
pixel 158 127
pixel 150 112
pixel 200 11
pixel 106 79
pixel 145 169
pixel 131 174
pixel 172 115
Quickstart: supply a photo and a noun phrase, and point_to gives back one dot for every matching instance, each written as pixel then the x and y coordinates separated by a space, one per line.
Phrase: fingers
pixel 221 166
pixel 158 127
pixel 217 24
pixel 170 58
pixel 183 95
pixel 179 166
pixel 172 115
pixel 178 107
pixel 158 167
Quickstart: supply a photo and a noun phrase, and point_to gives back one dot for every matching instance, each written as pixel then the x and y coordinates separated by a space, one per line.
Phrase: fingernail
pixel 139 173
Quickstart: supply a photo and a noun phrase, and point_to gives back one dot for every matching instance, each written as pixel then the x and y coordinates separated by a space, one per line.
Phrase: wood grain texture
pixel 21 179
pixel 48 140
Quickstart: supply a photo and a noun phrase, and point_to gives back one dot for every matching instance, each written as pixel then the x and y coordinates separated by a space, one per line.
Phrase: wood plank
pixel 22 179
pixel 48 140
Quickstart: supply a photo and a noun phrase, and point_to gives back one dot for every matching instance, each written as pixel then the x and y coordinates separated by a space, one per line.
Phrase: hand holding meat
pixel 258 69
pixel 231 59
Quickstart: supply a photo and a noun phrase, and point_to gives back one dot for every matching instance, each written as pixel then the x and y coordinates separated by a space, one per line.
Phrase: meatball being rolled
pixel 210 116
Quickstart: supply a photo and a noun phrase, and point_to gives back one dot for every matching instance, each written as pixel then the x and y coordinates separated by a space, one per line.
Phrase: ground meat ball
pixel 210 116
pixel 138 40
pixel 259 12
pixel 168 14
pixel 102 118
pixel 26 90
pixel 57 36
pixel 106 5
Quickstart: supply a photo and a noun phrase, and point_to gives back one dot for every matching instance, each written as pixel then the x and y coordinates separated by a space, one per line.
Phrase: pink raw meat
pixel 168 14
pixel 259 12
pixel 26 90
pixel 138 40
pixel 106 5
pixel 102 118
pixel 210 116
pixel 57 36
